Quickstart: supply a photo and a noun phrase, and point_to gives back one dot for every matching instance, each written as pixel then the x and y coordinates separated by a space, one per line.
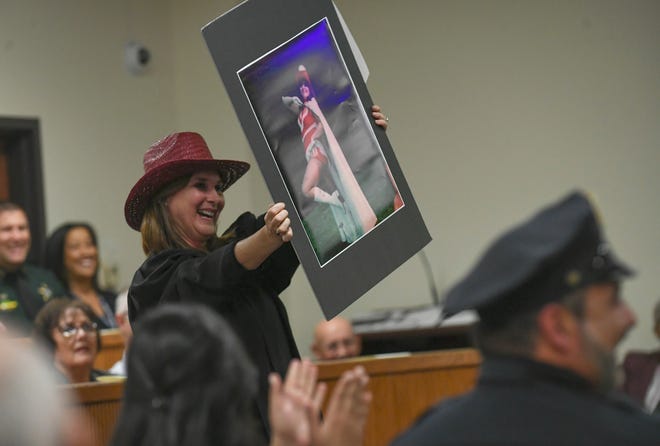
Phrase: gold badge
pixel 573 278
pixel 45 292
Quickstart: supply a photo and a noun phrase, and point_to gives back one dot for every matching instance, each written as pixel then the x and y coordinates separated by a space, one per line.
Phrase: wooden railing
pixel 404 386
pixel 112 347
pixel 101 402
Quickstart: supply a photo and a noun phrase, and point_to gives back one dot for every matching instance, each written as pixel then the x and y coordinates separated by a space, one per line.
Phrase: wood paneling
pixel 112 347
pixel 101 403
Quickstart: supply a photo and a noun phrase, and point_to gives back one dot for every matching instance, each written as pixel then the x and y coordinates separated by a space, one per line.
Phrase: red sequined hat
pixel 174 156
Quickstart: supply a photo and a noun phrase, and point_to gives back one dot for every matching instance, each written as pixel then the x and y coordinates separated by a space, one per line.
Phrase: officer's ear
pixel 558 328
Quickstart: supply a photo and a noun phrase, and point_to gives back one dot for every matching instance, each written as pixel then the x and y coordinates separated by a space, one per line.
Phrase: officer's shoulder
pixel 37 271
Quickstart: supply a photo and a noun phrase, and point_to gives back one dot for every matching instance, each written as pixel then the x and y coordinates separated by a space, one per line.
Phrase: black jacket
pixel 248 300
pixel 522 402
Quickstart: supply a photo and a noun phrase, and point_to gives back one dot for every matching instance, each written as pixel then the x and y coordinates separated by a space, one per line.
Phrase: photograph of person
pixel 321 140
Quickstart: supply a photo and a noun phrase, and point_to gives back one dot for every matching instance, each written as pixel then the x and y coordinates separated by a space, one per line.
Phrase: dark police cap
pixel 559 250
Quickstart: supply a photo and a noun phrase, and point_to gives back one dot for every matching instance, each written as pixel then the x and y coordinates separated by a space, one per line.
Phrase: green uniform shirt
pixel 17 308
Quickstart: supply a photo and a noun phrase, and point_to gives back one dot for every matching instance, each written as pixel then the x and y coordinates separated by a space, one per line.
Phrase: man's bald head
pixel 334 339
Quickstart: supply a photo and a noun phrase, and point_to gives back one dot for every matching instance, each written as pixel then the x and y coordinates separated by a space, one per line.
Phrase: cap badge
pixel 45 292
pixel 573 278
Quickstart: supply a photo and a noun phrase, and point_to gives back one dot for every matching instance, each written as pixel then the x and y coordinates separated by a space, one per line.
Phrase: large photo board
pixel 304 107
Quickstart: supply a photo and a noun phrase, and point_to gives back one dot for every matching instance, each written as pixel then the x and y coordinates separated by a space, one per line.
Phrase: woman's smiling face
pixel 195 208
pixel 80 254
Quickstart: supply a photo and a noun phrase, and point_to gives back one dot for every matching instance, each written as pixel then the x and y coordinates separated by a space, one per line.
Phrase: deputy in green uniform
pixel 24 288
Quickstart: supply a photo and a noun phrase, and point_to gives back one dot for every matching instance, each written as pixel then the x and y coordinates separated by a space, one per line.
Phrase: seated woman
pixel 66 328
pixel 72 254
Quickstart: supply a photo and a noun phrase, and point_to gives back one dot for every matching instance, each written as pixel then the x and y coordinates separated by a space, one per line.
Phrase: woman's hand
pixel 379 116
pixel 252 251
pixel 278 223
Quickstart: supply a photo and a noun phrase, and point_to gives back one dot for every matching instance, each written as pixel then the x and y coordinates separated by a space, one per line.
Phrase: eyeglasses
pixel 70 331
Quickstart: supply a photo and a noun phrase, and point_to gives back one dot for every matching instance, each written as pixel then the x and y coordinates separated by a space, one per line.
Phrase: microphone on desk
pixel 429 277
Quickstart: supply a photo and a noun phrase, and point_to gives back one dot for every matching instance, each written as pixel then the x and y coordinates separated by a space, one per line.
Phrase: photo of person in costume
pixel 354 219
pixel 321 137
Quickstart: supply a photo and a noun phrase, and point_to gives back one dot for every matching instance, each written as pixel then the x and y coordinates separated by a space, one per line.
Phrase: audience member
pixel 176 205
pixel 66 328
pixel 121 317
pixel 335 339
pixel 642 372
pixel 24 288
pixel 551 314
pixel 34 412
pixel 72 254
pixel 191 382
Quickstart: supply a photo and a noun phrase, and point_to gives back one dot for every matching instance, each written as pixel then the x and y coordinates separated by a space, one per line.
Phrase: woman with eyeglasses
pixel 65 327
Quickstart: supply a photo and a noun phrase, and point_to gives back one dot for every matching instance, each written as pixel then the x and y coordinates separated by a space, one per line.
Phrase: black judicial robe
pixel 248 300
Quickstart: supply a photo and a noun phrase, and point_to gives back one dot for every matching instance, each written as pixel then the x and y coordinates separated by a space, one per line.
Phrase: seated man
pixel 24 288
pixel 334 339
pixel 548 295
pixel 642 372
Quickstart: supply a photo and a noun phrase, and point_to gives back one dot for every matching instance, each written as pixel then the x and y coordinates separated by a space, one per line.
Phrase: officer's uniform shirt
pixel 23 293
pixel 519 401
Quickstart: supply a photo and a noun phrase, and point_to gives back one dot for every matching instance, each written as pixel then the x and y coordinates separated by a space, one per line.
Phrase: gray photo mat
pixel 235 46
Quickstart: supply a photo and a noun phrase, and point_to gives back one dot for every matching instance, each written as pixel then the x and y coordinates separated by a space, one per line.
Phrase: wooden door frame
pixel 22 145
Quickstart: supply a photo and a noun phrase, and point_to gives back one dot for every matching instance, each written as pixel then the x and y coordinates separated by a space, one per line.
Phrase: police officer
pixel 551 314
pixel 23 288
